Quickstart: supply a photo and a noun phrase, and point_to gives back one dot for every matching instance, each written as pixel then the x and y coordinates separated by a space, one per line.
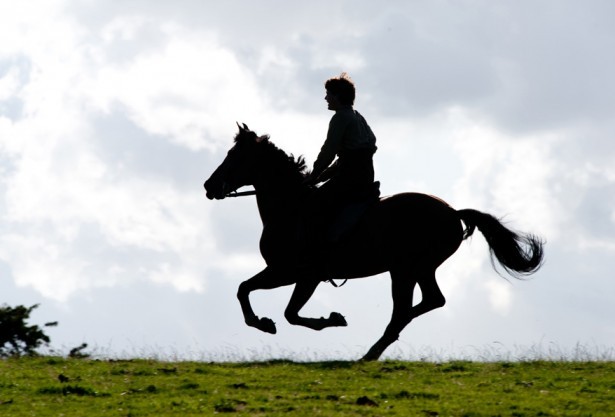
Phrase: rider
pixel 351 177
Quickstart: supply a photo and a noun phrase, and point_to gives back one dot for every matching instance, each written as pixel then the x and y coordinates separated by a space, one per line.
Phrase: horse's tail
pixel 519 254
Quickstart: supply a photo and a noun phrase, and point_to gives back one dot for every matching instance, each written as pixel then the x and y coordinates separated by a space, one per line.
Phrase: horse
pixel 408 234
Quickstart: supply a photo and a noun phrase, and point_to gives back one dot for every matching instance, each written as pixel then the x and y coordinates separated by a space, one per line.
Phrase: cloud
pixel 113 113
pixel 92 209
pixel 187 88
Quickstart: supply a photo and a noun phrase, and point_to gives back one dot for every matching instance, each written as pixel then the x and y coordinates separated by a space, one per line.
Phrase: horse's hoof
pixel 336 319
pixel 373 354
pixel 267 325
pixel 370 357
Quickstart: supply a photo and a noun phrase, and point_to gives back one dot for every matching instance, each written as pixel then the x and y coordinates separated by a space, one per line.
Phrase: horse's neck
pixel 279 188
pixel 277 201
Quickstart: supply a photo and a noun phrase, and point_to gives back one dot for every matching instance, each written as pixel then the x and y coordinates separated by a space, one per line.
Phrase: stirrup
pixel 332 281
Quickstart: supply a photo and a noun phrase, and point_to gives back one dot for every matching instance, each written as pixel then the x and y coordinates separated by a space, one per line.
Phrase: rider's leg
pixel 322 206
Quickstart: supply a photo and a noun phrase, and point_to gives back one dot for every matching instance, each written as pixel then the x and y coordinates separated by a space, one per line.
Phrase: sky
pixel 113 113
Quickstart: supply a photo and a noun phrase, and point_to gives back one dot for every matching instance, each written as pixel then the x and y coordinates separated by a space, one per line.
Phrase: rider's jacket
pixel 348 132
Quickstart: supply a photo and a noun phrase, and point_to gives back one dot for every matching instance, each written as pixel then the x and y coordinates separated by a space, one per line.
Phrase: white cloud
pixel 113 113
pixel 62 193
pixel 9 83
pixel 510 177
pixel 500 295
pixel 189 89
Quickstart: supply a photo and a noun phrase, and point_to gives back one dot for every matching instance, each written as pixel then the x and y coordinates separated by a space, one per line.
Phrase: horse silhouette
pixel 407 234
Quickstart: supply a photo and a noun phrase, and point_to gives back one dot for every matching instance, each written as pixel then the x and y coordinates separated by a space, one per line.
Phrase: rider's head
pixel 342 87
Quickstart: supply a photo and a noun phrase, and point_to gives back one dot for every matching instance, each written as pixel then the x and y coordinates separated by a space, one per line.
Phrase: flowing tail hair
pixel 519 254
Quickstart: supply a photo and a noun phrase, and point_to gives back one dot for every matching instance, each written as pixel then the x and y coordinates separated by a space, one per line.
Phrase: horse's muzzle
pixel 217 194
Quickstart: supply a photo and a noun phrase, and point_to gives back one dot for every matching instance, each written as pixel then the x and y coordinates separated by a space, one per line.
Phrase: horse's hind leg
pixel 402 288
pixel 302 293
pixel 403 284
pixel 432 296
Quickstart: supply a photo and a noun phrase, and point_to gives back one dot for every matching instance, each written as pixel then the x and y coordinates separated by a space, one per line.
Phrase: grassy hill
pixel 49 386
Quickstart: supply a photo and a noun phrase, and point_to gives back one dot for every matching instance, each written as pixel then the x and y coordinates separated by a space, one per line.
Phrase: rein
pixel 241 194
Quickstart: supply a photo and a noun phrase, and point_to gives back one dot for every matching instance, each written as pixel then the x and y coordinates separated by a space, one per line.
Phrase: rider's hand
pixel 310 180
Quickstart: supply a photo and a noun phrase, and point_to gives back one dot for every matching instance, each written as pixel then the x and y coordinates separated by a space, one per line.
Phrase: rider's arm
pixel 328 173
pixel 332 144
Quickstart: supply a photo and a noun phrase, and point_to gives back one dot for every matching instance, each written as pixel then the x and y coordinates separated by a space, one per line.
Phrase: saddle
pixel 326 229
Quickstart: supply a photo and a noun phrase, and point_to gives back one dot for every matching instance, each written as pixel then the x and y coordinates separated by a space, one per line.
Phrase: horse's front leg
pixel 302 293
pixel 265 280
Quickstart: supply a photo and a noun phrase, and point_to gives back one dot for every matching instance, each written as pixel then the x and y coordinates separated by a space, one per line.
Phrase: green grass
pixel 48 386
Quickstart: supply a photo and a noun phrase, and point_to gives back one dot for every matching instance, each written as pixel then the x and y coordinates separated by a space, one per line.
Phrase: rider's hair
pixel 342 87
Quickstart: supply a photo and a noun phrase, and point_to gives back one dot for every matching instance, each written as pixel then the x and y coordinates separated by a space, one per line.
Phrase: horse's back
pixel 417 211
pixel 425 216
pixel 414 202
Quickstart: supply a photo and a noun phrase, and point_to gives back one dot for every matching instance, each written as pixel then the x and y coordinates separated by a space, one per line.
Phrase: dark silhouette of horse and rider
pixel 344 230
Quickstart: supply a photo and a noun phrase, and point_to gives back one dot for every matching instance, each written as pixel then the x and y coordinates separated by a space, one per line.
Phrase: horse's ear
pixel 239 126
pixel 263 138
pixel 245 126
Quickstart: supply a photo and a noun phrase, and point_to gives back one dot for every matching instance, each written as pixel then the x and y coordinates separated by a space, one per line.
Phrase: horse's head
pixel 239 166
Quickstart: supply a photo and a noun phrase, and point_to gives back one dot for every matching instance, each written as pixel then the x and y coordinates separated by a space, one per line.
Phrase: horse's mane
pixel 286 162
pixel 275 158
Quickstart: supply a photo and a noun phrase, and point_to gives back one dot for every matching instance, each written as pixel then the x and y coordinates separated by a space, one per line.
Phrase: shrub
pixel 17 338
